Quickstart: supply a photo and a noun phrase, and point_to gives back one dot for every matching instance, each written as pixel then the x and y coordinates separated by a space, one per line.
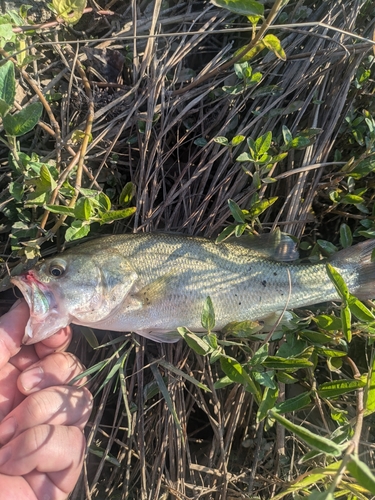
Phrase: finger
pixel 58 368
pixel 24 358
pixel 19 487
pixel 57 342
pixel 57 451
pixel 10 396
pixel 12 329
pixel 44 487
pixel 54 406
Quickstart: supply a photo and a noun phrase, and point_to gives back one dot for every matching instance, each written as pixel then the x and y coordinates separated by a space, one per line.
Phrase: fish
pixel 153 283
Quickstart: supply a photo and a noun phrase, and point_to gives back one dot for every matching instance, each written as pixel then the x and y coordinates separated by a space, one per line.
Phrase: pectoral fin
pixel 156 290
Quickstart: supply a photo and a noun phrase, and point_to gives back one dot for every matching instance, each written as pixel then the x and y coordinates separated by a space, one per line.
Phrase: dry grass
pixel 144 131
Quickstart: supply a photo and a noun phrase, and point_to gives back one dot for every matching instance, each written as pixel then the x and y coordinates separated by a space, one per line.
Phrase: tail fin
pixel 360 257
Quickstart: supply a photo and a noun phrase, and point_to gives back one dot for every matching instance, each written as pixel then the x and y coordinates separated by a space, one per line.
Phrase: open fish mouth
pixel 35 293
pixel 41 302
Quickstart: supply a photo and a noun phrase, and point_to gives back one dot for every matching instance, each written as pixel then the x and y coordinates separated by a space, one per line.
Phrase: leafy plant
pixel 260 373
pixel 37 188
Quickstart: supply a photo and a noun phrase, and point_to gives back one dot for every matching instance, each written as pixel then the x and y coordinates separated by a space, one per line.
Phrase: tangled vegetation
pixel 213 118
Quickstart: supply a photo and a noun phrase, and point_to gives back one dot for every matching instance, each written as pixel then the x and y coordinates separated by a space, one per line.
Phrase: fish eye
pixel 57 269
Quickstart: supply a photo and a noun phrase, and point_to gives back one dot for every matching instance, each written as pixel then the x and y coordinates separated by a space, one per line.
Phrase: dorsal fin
pixel 275 246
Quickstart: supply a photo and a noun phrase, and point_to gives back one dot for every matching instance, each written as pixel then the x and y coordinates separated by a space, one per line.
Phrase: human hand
pixel 42 418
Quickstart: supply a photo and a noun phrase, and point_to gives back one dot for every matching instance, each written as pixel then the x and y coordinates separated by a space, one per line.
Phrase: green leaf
pixel 236 372
pixel 269 180
pixel 127 194
pixel 359 310
pixel 334 364
pixel 327 247
pixel 299 142
pixel 4 108
pixel 364 167
pixel 273 43
pixel 195 342
pixel 223 382
pixel 233 90
pixel 90 336
pixel 215 355
pixel 260 356
pixel 287 135
pixel 294 404
pixel 112 215
pixel 7 86
pixel 236 211
pixel 226 233
pixel 242 329
pixel 261 206
pixel 181 373
pixel 16 190
pixel 46 179
pixel 102 454
pixel 330 353
pixel 240 229
pixel 211 339
pixel 264 378
pixel 242 7
pixel 103 201
pixel 293 348
pixel 252 52
pixel 78 136
pixel 362 473
pixel 6 34
pixel 208 315
pixel 338 282
pixel 286 378
pixel 278 363
pixel 82 209
pixel 237 139
pixel 241 69
pixel 268 401
pixel 166 396
pixel 279 157
pixel 244 157
pixel 200 141
pixel 25 120
pixel 370 389
pixel 352 199
pixel 327 322
pixel 346 319
pixel 339 387
pixel 60 209
pixel 315 441
pixel 78 229
pixel 263 143
pixel 316 337
pixel 88 192
pixel 346 237
pixel 69 10
pixel 223 141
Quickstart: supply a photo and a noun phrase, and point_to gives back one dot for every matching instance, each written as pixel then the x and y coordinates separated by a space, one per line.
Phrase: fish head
pixel 72 288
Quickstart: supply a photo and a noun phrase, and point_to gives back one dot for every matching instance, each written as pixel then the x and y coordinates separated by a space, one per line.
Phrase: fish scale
pixel 153 283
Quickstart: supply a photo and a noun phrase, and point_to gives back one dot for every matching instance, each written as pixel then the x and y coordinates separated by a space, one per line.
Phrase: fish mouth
pixel 42 304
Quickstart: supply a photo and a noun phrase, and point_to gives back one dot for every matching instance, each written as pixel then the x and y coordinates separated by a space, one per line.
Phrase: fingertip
pixel 12 329
pixel 58 342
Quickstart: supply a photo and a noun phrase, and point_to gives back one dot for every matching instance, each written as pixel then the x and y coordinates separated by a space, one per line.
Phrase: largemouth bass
pixel 153 283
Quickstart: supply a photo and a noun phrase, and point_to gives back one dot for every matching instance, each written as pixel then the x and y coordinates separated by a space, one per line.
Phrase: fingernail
pixel 5 454
pixel 31 378
pixel 7 430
